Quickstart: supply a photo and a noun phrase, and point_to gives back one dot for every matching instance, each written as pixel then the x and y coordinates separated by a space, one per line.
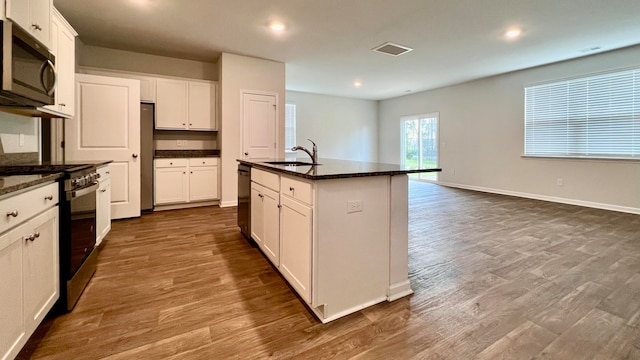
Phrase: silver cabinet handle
pixel 30 237
pixel 37 27
pixel 135 156
pixel 291 188
pixel 260 196
pixel 246 154
pixel 50 197
pixel 103 190
pixel 63 105
pixel 13 213
pixel 36 235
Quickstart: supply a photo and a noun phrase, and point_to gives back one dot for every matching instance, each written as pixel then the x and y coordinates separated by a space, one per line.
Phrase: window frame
pixel 632 116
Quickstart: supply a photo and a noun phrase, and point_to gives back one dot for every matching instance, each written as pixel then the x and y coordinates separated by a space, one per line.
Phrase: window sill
pixel 596 158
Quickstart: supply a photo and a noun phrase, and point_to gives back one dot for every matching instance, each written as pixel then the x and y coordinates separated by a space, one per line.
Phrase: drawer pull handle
pixel 37 27
pixel 291 188
pixel 36 235
pixel 103 190
pixel 30 237
pixel 108 173
pixel 13 213
pixel 170 163
pixel 260 196
pixel 50 197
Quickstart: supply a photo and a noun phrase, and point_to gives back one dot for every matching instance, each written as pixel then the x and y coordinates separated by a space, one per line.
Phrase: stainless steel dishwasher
pixel 244 200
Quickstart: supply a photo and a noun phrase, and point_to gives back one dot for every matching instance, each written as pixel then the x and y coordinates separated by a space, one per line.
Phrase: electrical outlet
pixel 559 182
pixel 354 206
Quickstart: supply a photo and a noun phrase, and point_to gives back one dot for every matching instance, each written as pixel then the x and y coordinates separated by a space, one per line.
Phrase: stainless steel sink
pixel 290 163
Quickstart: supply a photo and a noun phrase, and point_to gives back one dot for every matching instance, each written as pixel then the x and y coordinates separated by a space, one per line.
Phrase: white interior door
pixel 258 125
pixel 107 127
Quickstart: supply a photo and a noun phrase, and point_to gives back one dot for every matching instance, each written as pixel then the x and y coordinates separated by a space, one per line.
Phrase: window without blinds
pixel 596 116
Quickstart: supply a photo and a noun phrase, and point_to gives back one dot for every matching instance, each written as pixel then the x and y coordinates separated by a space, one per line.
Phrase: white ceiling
pixel 327 44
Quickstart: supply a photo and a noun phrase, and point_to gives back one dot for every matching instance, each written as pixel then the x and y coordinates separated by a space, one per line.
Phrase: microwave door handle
pixel 46 64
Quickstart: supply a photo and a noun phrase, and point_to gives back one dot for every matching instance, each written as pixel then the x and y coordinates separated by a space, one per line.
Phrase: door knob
pixel 135 156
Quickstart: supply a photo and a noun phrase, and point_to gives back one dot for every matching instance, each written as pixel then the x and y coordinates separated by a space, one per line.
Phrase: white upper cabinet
pixel 185 105
pixel 202 106
pixel 171 104
pixel 63 47
pixel 32 15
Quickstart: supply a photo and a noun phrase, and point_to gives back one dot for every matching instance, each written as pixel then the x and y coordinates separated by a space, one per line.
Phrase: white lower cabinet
pixel 185 180
pixel 203 179
pixel 103 204
pixel 282 225
pixel 171 181
pixel 29 268
pixel 296 226
pixel 265 213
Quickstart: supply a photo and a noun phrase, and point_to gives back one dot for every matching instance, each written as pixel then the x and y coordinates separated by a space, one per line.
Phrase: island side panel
pixel 399 285
pixel 351 249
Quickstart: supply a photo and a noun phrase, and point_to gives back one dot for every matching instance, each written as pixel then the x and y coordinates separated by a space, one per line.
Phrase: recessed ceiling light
pixel 357 83
pixel 513 33
pixel 277 26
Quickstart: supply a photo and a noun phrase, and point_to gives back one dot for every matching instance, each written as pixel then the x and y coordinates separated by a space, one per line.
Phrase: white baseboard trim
pixel 345 312
pixel 398 290
pixel 560 200
pixel 228 203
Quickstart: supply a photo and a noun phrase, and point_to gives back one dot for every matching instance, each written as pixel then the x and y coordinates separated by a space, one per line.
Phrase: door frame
pixel 244 92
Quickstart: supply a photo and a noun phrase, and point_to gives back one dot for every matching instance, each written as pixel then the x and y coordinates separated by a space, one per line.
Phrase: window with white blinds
pixel 289 126
pixel 596 116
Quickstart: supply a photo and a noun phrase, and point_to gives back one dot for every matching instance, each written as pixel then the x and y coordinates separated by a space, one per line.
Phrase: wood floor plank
pixel 493 277
pixel 524 342
pixel 585 338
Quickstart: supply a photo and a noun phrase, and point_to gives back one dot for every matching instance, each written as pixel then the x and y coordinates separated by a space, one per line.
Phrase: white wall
pixel 343 128
pixel 12 127
pixel 105 58
pixel 243 73
pixel 481 139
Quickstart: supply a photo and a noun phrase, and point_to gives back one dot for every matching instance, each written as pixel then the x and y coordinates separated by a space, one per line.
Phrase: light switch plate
pixel 354 206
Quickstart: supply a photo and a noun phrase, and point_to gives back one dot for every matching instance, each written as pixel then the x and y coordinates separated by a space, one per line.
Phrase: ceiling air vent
pixel 392 49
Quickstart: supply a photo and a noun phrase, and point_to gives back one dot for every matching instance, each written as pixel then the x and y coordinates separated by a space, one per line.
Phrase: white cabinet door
pixel 271 225
pixel 295 245
pixel 171 185
pixel 63 47
pixel 258 126
pixel 203 183
pixel 257 213
pixel 12 331
pixel 103 204
pixel 171 104
pixel 202 111
pixel 32 15
pixel 40 267
pixel 107 127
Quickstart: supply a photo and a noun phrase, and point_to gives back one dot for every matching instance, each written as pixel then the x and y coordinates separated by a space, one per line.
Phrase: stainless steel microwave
pixel 28 70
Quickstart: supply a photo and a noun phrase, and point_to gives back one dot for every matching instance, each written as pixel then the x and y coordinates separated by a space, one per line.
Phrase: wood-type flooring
pixel 495 277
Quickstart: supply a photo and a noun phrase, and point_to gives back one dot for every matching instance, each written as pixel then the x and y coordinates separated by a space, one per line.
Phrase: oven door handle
pixel 82 192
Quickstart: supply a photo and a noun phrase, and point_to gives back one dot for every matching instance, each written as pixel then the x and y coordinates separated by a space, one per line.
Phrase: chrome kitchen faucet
pixel 314 155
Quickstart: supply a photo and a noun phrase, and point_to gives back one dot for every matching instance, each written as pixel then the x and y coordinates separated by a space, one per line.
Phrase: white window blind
pixel 596 116
pixel 289 126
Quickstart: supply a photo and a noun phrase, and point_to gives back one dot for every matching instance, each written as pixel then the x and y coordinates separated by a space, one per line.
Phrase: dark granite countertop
pixel 186 153
pixel 334 169
pixel 13 183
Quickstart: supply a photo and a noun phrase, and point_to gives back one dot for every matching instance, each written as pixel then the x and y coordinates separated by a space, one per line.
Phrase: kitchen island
pixel 337 231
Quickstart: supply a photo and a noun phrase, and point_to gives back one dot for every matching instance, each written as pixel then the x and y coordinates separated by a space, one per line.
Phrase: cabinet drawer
pixel 165 163
pixel 26 205
pixel 208 161
pixel 296 189
pixel 266 178
pixel 104 172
